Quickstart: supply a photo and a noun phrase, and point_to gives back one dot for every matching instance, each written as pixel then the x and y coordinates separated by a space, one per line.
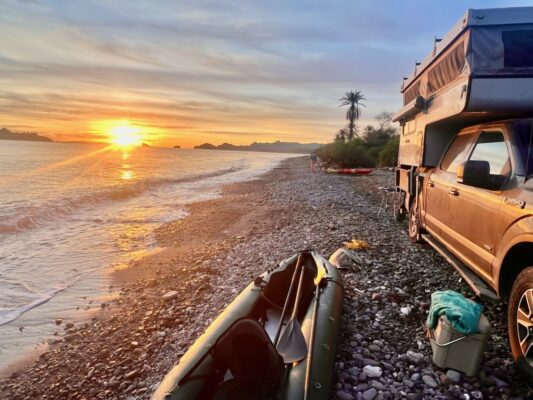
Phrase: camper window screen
pixel 518 48
pixel 449 68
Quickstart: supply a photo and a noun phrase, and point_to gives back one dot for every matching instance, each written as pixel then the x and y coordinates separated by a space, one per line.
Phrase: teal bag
pixel 462 313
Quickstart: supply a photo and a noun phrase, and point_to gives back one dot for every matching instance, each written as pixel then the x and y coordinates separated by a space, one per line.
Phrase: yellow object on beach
pixel 356 244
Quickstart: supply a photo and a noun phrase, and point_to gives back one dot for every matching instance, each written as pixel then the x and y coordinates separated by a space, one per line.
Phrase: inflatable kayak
pixel 276 340
pixel 350 171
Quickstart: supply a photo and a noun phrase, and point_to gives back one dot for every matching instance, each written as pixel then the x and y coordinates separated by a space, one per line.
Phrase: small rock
pixel 374 348
pixel 342 395
pixel 405 311
pixel 59 321
pixel 170 295
pixel 377 385
pixel 372 371
pixel 410 384
pixel 429 381
pixel 131 374
pixel 414 357
pixel 370 394
pixel 453 375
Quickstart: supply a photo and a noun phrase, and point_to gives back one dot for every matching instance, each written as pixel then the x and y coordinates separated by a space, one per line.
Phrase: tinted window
pixel 523 130
pixel 456 153
pixel 518 48
pixel 491 147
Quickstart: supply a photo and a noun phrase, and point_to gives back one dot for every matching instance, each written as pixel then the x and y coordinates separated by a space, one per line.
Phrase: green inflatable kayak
pixel 276 340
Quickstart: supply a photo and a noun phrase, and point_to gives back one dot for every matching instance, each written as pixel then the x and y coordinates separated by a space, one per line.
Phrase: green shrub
pixel 388 157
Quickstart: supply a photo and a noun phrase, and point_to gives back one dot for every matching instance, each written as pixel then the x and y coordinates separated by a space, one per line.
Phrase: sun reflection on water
pixel 126 175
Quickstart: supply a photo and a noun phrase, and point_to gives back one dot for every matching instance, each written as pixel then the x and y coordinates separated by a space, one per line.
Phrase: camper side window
pixel 518 48
pixel 456 153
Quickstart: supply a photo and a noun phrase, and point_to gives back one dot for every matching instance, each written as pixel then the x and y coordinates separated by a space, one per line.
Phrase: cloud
pixel 209 67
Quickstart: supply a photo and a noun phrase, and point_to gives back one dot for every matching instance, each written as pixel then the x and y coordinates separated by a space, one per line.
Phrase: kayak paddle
pixel 291 345
pixel 287 299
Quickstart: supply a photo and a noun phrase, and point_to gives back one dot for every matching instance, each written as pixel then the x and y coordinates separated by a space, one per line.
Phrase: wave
pixel 7 316
pixel 34 217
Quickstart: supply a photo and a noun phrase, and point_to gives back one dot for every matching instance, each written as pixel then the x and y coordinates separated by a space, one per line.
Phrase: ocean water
pixel 71 213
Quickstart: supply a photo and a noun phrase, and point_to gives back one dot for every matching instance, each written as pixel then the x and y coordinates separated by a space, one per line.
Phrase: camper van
pixel 465 164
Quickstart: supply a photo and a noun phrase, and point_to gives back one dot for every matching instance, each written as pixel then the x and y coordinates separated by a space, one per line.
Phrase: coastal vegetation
pixel 373 146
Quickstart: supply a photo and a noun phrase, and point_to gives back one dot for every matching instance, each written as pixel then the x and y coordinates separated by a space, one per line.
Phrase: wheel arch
pixel 517 258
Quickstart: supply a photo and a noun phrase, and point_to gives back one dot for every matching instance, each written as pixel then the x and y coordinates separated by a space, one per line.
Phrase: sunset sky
pixel 188 72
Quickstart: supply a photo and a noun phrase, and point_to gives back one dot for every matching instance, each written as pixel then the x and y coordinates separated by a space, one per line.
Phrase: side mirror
pixel 474 173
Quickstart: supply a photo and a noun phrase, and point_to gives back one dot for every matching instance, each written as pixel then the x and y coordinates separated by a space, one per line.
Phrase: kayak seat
pixel 277 289
pixel 247 352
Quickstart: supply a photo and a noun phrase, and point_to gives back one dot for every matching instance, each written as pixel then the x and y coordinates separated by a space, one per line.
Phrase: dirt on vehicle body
pixel 465 160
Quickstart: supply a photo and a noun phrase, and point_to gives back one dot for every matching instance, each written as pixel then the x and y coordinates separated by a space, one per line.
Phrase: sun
pixel 124 134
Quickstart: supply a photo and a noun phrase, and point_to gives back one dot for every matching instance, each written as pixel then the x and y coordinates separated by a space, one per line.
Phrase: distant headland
pixel 274 147
pixel 6 134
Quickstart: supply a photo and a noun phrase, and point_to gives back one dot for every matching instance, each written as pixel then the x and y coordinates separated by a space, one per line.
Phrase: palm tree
pixel 352 99
pixel 341 135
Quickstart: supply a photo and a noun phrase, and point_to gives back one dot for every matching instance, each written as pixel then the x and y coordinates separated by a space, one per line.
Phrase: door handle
pixel 431 184
pixel 454 192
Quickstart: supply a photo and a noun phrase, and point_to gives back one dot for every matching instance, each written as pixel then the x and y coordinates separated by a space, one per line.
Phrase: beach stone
pixel 370 394
pixel 372 371
pixel 429 381
pixel 410 384
pixel 453 375
pixel 131 374
pixel 377 385
pixel 170 295
pixel 59 321
pixel 417 358
pixel 342 395
pixel 71 337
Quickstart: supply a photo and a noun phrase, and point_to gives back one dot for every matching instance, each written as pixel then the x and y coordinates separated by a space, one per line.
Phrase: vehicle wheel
pixel 414 224
pixel 520 322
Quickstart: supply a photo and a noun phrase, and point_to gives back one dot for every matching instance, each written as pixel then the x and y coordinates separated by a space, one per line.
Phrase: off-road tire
pixel 522 284
pixel 414 224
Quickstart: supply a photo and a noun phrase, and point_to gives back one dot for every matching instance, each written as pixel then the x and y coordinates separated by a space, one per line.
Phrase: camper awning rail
pixel 409 111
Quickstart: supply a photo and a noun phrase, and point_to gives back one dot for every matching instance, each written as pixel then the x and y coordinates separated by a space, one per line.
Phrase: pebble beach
pixel 162 303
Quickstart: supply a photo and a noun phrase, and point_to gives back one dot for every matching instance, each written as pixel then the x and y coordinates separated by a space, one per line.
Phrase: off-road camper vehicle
pixel 466 160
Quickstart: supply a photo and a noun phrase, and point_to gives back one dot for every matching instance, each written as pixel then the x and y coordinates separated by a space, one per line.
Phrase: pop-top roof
pixel 472 19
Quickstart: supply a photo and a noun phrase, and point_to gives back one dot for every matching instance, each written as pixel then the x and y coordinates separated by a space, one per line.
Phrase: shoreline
pixel 100 303
pixel 211 255
pixel 167 250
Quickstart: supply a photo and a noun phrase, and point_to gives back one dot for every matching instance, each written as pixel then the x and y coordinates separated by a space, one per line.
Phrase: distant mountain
pixel 6 134
pixel 275 147
pixel 206 146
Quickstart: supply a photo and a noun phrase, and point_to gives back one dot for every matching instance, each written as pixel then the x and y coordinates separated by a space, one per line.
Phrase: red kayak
pixel 351 171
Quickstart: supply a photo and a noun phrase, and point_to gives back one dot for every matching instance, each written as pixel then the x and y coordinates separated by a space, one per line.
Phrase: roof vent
pixel 480 16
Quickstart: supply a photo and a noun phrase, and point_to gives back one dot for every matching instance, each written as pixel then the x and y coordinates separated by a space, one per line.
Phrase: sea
pixel 71 213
